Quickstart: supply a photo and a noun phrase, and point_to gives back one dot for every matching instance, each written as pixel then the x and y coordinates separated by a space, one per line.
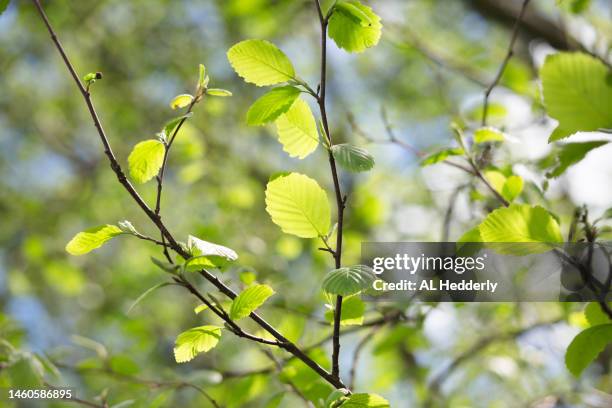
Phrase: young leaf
pixel 595 315
pixel 260 62
pixel 488 134
pixel 200 308
pixel 180 101
pixel 202 78
pixel 92 238
pixel 572 153
pixel 173 123
pixel 366 401
pixel 577 93
pixel 199 247
pixel 586 346
pixel 512 188
pixel 146 159
pixel 147 293
pixel 197 340
pixel 271 105
pixel 441 156
pixel 354 26
pixel 298 205
pixel 297 130
pixel 351 314
pixel 249 300
pixel 348 280
pixel 218 92
pixel 521 223
pixel 353 158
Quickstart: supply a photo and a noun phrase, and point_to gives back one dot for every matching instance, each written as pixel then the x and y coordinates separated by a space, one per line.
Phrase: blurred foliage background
pixel 432 65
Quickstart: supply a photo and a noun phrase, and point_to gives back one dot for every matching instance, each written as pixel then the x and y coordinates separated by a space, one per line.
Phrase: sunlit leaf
pixel 180 101
pixel 297 130
pixel 441 155
pixel 354 26
pixel 353 158
pixel 577 92
pixel 366 401
pixel 570 154
pixel 348 280
pixel 353 309
pixel 196 340
pixel 199 247
pixel 512 188
pixel 586 346
pixel 298 205
pixel 249 300
pixel 146 159
pixel 271 105
pixel 260 62
pixel 488 134
pixel 218 92
pixel 92 238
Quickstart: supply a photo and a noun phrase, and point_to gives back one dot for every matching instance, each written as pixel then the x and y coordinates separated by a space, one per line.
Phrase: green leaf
pixel 512 188
pixel 298 205
pixel 586 346
pixel 202 77
pixel 4 5
pixel 260 62
pixel 496 179
pixel 92 238
pixel 146 159
pixel 572 153
pixel 353 158
pixel 351 314
pixel 297 130
pixel 147 293
pixel 200 308
pixel 196 340
pixel 366 401
pixel 441 156
pixel 218 92
pixel 354 26
pixel 180 101
pixel 577 92
pixel 348 280
pixel 199 247
pixel 488 134
pixel 595 315
pixel 271 105
pixel 521 223
pixel 173 123
pixel 249 300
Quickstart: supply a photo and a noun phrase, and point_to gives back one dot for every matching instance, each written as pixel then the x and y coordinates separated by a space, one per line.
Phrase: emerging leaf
pixel 577 93
pixel 298 205
pixel 218 92
pixel 352 312
pixel 271 105
pixel 202 77
pixel 180 101
pixel 199 247
pixel 366 401
pixel 512 188
pixel 353 158
pixel 200 308
pixel 348 280
pixel 260 62
pixel 441 156
pixel 92 238
pixel 586 346
pixel 354 26
pixel 570 154
pixel 249 300
pixel 488 134
pixel 146 159
pixel 297 130
pixel 521 223
pixel 197 340
pixel 173 123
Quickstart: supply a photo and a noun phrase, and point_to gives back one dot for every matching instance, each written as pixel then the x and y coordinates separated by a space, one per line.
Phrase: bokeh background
pixel 431 67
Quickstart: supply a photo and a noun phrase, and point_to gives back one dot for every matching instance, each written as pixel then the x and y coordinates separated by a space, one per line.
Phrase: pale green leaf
pixel 570 154
pixel 260 62
pixel 348 280
pixel 200 308
pixel 218 92
pixel 297 130
pixel 352 158
pixel 173 123
pixel 521 223
pixel 249 300
pixel 595 315
pixel 354 26
pixel 577 92
pixel 298 205
pixel 271 105
pixel 586 346
pixel 146 159
pixel 366 401
pixel 513 186
pixel 196 340
pixel 353 309
pixel 441 155
pixel 4 5
pixel 496 179
pixel 92 238
pixel 199 247
pixel 180 101
pixel 202 78
pixel 488 134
